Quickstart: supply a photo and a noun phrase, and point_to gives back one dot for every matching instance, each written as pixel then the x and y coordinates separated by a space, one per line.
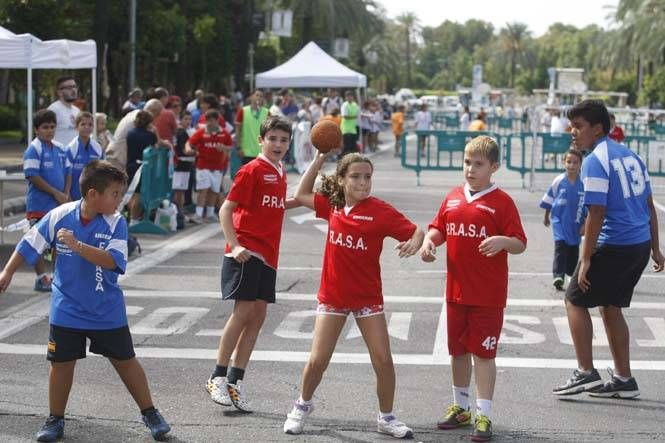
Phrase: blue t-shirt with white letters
pixel 567 211
pixel 84 296
pixel 616 177
pixel 79 156
pixel 50 162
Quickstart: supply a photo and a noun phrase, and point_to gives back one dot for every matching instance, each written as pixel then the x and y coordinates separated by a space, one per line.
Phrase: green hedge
pixel 9 118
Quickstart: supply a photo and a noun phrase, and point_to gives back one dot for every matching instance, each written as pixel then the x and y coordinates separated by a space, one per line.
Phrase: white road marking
pixel 563 331
pixel 24 318
pixel 524 274
pixel 150 325
pixel 657 327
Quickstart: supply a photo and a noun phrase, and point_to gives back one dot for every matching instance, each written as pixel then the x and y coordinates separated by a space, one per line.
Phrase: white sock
pixel 40 276
pixel 304 402
pixel 385 414
pixel 621 377
pixel 211 211
pixel 461 395
pixel 199 211
pixel 483 407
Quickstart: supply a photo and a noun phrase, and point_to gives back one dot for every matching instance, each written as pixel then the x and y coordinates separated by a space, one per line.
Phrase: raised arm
pixel 305 191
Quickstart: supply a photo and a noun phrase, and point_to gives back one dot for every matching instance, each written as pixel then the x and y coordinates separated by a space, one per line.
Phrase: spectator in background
pixel 616 133
pixel 558 125
pixel 175 105
pixel 184 162
pixel 276 109
pixel 333 116
pixel 315 110
pixel 82 150
pixel 226 109
pixel 479 123
pixel 248 125
pixel 397 120
pixel 65 111
pixel 165 123
pixel 208 101
pixel 331 102
pixel 133 101
pixel 289 107
pixel 349 127
pixel 423 123
pixel 376 125
pixel 104 136
pixel 365 125
pixel 194 104
pixel 465 119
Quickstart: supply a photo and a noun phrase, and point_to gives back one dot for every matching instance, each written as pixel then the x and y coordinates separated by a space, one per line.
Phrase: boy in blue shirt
pixel 47 168
pixel 90 237
pixel 82 150
pixel 620 231
pixel 564 208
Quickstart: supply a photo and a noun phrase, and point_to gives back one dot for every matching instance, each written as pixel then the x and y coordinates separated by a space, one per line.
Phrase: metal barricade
pixel 155 187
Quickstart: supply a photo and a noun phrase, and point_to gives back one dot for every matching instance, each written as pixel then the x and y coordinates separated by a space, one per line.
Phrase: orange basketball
pixel 326 136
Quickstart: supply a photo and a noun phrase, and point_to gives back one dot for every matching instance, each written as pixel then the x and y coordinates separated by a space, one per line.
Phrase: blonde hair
pixel 484 146
pixel 330 186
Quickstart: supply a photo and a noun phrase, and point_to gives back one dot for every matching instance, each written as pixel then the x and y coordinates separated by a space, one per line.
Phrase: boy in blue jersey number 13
pixel 90 238
pixel 620 232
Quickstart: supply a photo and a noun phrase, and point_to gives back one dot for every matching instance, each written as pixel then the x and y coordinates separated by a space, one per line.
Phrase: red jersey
pixel 202 122
pixel 465 221
pixel 617 134
pixel 351 275
pixel 206 145
pixel 259 189
pixel 166 125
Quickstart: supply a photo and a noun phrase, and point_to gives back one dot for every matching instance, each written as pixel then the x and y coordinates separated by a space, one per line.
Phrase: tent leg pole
pixel 29 100
pixel 94 102
pixel 360 136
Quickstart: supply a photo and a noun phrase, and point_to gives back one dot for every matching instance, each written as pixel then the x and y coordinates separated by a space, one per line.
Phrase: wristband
pixel 80 246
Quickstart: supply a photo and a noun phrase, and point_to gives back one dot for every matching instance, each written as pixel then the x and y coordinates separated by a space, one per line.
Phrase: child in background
pixel 87 303
pixel 616 133
pixel 351 279
pixel 481 226
pixel 564 208
pixel 184 161
pixel 397 120
pixel 376 125
pixel 104 136
pixel 48 170
pixel 212 145
pixel 82 150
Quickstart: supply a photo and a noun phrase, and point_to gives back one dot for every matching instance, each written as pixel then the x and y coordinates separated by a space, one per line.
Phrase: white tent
pixel 311 67
pixel 25 51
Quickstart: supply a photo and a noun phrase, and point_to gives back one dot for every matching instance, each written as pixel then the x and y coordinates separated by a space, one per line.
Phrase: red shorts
pixel 473 329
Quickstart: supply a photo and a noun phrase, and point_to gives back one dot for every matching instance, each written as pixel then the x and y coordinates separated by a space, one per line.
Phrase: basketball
pixel 326 136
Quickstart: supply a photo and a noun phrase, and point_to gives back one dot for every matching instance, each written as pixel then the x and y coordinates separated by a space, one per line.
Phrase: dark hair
pixel 274 122
pixel 211 100
pixel 212 114
pixel 142 119
pixel 593 111
pixel 63 79
pixel 43 116
pixel 574 152
pixel 330 186
pixel 82 115
pixel 98 175
pixel 157 93
pixel 185 113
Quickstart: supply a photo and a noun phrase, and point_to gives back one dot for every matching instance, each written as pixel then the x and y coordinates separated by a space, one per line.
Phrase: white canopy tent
pixel 311 67
pixel 25 51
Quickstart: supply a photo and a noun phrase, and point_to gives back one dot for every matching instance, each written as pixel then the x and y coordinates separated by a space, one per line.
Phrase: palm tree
pixel 409 23
pixel 514 38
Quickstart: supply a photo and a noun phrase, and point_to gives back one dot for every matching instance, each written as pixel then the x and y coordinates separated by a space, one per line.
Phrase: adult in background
pixel 198 95
pixel 133 102
pixel 248 125
pixel 65 111
pixel 331 102
pixel 349 123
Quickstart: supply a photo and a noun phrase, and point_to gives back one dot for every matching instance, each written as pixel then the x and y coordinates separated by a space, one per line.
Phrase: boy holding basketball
pixel 251 218
pixel 481 225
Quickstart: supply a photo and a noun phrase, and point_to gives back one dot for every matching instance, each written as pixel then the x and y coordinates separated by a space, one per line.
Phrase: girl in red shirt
pixel 351 279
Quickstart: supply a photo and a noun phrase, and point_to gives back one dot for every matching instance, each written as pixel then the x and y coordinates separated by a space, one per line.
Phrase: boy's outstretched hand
pixel 659 260
pixel 428 251
pixel 407 248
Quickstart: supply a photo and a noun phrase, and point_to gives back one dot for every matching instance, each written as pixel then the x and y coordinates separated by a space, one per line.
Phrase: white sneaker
pixel 295 420
pixel 237 396
pixel 391 426
pixel 216 387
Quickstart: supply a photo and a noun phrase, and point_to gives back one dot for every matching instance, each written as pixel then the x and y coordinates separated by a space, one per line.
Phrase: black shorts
pixel 614 272
pixel 67 344
pixel 252 280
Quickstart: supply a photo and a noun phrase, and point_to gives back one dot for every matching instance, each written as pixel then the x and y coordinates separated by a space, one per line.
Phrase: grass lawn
pixel 11 134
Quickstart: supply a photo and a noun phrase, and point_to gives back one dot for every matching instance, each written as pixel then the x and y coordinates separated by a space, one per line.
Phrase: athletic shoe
pixel 615 388
pixel 216 387
pixel 295 420
pixel 558 283
pixel 212 218
pixel 455 417
pixel 43 284
pixel 196 219
pixel 391 426
pixel 579 383
pixel 157 425
pixel 238 397
pixel 52 430
pixel 482 429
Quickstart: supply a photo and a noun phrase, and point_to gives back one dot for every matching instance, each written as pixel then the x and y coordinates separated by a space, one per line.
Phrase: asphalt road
pixel 176 317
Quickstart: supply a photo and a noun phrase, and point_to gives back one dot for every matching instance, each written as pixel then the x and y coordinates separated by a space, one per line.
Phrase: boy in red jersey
pixel 251 218
pixel 481 225
pixel 212 144
pixel 351 279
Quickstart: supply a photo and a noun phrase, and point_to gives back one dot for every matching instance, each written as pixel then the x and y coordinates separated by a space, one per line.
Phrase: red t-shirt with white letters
pixel 259 189
pixel 351 274
pixel 465 221
pixel 206 145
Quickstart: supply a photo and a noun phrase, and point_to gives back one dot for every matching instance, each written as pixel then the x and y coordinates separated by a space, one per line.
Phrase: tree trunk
pixel 100 33
pixel 408 56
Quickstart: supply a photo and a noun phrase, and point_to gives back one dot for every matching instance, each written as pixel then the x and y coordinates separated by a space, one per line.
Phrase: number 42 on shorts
pixel 489 343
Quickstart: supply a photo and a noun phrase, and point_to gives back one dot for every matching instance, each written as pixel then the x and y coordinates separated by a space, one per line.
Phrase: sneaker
pixel 212 219
pixel 43 284
pixel 579 382
pixel 195 219
pixel 615 388
pixel 52 430
pixel 391 426
pixel 482 429
pixel 455 417
pixel 295 420
pixel 157 425
pixel 216 387
pixel 238 397
pixel 558 283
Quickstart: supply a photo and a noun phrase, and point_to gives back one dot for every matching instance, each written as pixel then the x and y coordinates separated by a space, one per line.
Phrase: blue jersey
pixel 49 162
pixel 567 211
pixel 616 177
pixel 79 156
pixel 84 296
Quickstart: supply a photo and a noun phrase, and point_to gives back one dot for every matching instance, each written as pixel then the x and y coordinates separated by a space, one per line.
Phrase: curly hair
pixel 330 186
